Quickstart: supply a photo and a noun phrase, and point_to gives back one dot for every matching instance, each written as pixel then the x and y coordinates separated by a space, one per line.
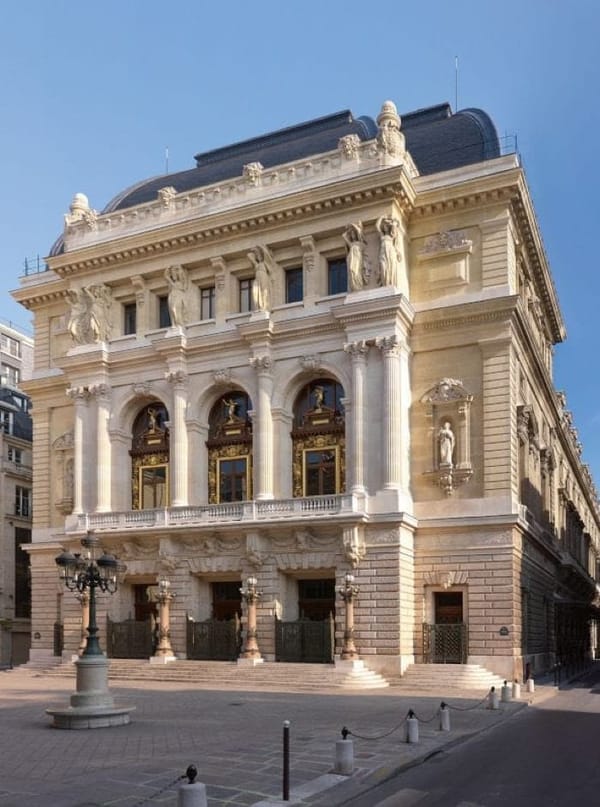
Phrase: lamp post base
pixel 92 706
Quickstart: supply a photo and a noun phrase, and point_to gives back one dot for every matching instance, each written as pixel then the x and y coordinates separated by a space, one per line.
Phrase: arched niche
pixel 229 447
pixel 150 458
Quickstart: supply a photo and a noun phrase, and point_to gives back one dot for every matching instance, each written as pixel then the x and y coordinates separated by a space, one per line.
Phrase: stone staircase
pixel 274 676
pixel 442 677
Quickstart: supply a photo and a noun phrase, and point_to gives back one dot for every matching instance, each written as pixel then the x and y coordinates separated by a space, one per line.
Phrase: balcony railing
pixel 230 513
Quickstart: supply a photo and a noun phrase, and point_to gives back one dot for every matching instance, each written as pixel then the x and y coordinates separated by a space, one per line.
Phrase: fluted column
pixel 179 440
pixel 263 425
pixel 358 352
pixel 393 404
pixel 102 393
pixel 80 397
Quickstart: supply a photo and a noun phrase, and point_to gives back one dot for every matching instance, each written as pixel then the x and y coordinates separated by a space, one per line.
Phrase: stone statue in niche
pixel 261 285
pixel 230 406
pixel 318 398
pixel 390 250
pixel 178 293
pixel 89 319
pixel 446 442
pixel 355 243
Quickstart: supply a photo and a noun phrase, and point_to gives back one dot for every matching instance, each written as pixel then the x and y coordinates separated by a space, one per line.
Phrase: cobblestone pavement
pixel 233 737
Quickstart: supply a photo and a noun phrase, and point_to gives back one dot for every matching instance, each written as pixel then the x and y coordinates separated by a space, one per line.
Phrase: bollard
pixel 344 755
pixel 493 699
pixel 192 794
pixel 506 693
pixel 444 717
pixel 530 685
pixel 286 760
pixel 516 690
pixel 412 728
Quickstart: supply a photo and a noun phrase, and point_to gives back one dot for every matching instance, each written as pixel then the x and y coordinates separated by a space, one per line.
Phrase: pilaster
pixel 263 424
pixel 358 352
pixel 179 439
pixel 80 397
pixel 102 394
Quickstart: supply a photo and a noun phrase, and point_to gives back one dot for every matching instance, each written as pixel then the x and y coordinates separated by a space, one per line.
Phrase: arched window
pixel 150 458
pixel 318 439
pixel 230 449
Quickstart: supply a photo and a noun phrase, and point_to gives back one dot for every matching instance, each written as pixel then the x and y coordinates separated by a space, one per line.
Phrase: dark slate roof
pixel 437 140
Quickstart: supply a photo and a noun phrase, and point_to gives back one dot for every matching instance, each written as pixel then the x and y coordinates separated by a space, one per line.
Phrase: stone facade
pixel 339 362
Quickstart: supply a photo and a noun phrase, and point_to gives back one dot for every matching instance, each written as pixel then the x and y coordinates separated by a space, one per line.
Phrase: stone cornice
pixel 473 313
pixel 507 187
pixel 206 226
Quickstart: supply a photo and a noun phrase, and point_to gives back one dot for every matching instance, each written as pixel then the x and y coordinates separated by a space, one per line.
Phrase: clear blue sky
pixel 93 93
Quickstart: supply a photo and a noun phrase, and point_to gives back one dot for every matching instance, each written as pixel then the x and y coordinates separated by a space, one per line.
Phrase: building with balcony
pixel 16 356
pixel 322 351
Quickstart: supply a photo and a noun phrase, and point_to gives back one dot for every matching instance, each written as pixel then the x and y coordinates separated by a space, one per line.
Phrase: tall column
pixel 80 396
pixel 263 424
pixel 358 352
pixel 393 448
pixel 179 440
pixel 102 393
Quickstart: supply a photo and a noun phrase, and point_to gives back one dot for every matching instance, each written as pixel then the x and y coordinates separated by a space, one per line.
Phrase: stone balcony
pixel 252 512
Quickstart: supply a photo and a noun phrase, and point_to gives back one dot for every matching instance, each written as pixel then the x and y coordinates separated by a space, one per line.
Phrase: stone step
pixel 215 673
pixel 449 676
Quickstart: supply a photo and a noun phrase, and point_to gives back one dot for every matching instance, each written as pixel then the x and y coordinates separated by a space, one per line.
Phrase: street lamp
pixel 92 705
pixel 86 574
pixel 164 651
pixel 251 595
pixel 348 592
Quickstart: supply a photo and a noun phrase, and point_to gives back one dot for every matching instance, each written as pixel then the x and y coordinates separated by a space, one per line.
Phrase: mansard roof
pixel 437 140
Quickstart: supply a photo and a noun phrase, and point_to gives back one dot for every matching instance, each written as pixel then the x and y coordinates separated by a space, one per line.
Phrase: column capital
pixel 78 394
pixel 101 391
pixel 357 350
pixel 176 377
pixel 389 345
pixel 262 363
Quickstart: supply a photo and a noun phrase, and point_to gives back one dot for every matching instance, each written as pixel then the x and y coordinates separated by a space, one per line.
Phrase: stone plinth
pixel 92 706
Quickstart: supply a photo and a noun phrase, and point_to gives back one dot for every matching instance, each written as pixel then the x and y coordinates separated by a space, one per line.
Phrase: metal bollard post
pixel 444 717
pixel 192 794
pixel 506 693
pixel 516 690
pixel 286 760
pixel 412 728
pixel 344 754
pixel 493 699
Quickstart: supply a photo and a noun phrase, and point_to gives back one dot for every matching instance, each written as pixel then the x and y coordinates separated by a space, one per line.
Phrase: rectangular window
pixel 15 455
pixel 164 316
pixel 233 479
pixel 22 574
pixel 10 345
pixel 22 501
pixel 154 487
pixel 11 375
pixel 129 318
pixel 320 471
pixel 207 303
pixel 337 276
pixel 294 285
pixel 246 294
pixel 6 421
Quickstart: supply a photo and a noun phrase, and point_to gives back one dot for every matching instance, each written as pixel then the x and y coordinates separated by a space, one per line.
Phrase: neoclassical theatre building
pixel 322 351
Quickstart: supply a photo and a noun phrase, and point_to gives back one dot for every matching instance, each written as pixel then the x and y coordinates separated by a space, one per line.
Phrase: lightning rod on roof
pixel 167 160
pixel 456 83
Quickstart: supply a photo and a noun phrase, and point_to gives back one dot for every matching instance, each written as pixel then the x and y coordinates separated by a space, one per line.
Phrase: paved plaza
pixel 233 737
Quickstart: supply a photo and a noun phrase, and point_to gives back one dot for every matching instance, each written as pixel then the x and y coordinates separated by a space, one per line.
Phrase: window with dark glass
pixel 245 289
pixel 22 501
pixel 233 479
pixel 22 574
pixel 129 318
pixel 207 303
pixel 164 316
pixel 294 285
pixel 320 468
pixel 337 276
pixel 6 421
pixel 11 375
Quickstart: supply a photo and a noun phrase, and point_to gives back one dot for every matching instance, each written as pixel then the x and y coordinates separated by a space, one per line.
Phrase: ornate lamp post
pixel 92 705
pixel 251 595
pixel 348 592
pixel 164 651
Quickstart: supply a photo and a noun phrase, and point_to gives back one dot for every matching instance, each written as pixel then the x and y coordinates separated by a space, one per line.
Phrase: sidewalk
pixel 234 738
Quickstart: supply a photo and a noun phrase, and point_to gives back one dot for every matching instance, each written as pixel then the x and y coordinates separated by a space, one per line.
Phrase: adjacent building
pixel 323 351
pixel 16 358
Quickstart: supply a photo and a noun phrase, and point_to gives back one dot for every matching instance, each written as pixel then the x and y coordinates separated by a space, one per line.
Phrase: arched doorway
pixel 150 458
